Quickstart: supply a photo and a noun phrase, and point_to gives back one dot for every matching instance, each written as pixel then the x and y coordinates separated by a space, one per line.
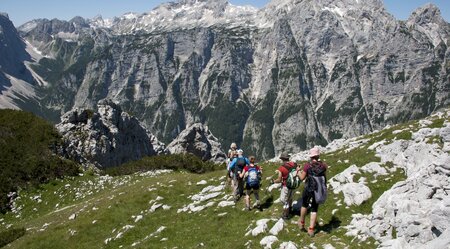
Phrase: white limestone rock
pixel 288 245
pixel 278 227
pixel 268 241
pixel 338 181
pixel 355 193
pixel 374 168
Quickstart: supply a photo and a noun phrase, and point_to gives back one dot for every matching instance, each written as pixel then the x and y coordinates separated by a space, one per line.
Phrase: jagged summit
pixel 3 14
pixel 181 14
pixel 428 20
pixel 429 13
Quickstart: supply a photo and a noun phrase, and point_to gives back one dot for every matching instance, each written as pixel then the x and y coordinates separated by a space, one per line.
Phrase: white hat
pixel 314 152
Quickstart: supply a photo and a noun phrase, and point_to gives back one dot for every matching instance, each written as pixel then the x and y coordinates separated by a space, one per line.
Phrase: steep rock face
pixel 12 51
pixel 198 140
pixel 16 81
pixel 106 138
pixel 291 75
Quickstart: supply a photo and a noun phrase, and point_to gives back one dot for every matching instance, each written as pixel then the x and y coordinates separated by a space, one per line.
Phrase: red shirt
pixel 284 171
pixel 251 165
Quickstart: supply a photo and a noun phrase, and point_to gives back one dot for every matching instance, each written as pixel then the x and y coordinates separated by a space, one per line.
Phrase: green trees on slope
pixel 28 157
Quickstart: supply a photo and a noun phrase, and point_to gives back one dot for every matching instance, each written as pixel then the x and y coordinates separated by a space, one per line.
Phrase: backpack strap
pixel 287 166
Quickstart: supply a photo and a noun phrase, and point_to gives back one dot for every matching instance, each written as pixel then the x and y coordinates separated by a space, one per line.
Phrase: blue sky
pixel 21 11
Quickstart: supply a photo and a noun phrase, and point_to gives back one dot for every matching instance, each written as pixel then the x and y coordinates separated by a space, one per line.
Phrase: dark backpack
pixel 316 182
pixel 253 177
pixel 292 180
pixel 240 164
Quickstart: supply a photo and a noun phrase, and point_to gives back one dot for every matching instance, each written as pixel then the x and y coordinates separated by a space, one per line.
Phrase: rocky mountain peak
pixel 12 51
pixel 3 15
pixel 106 138
pixel 180 14
pixel 198 140
pixel 426 14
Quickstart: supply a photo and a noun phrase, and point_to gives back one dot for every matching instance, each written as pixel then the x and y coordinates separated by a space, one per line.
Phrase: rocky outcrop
pixel 198 140
pixel 414 213
pixel 109 137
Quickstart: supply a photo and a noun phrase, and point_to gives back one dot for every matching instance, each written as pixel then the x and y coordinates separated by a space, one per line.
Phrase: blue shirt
pixel 234 162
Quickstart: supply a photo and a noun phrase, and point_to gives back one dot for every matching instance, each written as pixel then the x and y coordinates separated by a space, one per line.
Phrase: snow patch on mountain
pixel 184 14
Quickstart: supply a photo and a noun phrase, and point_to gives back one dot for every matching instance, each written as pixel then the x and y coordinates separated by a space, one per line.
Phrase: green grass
pixel 183 230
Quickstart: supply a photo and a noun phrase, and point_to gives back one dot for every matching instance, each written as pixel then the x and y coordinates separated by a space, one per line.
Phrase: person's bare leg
pixel 312 223
pixel 247 201
pixel 301 220
pixel 258 204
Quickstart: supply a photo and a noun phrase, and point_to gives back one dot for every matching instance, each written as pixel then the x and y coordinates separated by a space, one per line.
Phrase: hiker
pixel 232 153
pixel 286 193
pixel 252 175
pixel 312 170
pixel 237 167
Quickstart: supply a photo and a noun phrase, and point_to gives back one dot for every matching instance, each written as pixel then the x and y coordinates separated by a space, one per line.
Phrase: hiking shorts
pixel 250 191
pixel 286 196
pixel 250 188
pixel 308 200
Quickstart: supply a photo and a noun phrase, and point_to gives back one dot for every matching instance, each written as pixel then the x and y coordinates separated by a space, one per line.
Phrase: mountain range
pixel 293 74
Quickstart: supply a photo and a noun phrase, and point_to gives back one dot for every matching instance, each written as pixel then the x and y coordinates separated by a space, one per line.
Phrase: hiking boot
pixel 285 215
pixel 301 224
pixel 311 232
pixel 258 205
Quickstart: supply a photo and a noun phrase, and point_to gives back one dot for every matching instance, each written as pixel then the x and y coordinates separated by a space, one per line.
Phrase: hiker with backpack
pixel 315 191
pixel 287 169
pixel 252 175
pixel 237 167
pixel 232 153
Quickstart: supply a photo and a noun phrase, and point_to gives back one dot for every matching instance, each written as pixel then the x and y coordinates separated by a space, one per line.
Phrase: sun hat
pixel 314 152
pixel 240 152
pixel 285 156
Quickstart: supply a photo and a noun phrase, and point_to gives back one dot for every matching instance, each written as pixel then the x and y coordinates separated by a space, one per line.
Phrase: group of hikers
pixel 244 173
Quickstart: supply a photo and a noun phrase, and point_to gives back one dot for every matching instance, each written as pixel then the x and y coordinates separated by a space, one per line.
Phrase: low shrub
pixel 10 235
pixel 28 157
pixel 176 162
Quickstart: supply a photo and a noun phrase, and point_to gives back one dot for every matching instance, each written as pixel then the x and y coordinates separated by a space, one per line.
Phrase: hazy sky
pixel 21 11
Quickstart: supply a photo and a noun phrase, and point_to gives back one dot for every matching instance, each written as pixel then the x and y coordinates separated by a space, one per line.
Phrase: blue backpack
pixel 240 164
pixel 253 177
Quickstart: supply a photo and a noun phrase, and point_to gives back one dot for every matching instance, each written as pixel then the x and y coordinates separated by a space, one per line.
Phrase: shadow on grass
pixel 267 203
pixel 334 223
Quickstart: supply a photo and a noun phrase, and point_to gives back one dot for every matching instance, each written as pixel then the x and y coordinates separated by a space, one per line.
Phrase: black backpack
pixel 316 182
pixel 240 164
